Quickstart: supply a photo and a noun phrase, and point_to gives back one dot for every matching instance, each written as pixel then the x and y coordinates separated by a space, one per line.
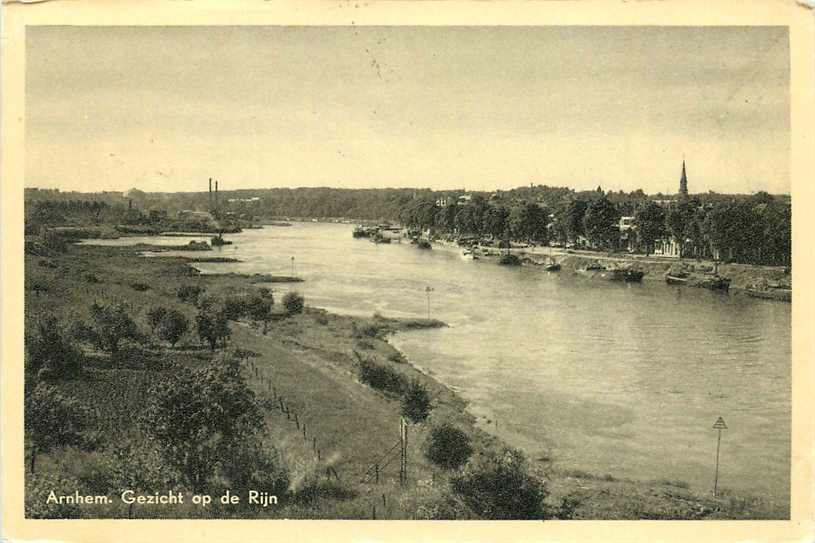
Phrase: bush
pixel 381 377
pixel 366 330
pixel 293 302
pixel 140 287
pixel 416 402
pixel 448 447
pixel 190 293
pixel 249 466
pixel 499 487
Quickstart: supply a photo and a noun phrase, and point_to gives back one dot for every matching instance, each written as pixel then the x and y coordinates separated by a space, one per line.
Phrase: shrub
pixel 293 302
pixel 416 402
pixel 499 487
pixel 381 377
pixel 173 325
pixel 91 278
pixel 190 293
pixel 140 287
pixel 448 447
pixel 249 466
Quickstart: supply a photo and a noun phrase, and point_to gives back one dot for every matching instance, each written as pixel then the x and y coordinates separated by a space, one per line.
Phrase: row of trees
pixel 754 230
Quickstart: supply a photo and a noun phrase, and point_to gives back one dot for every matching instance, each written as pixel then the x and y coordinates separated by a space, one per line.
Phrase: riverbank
pixel 766 282
pixel 310 360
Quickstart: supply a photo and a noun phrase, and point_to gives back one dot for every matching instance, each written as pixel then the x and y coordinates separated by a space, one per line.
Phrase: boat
pixel 218 241
pixel 679 278
pixel 627 275
pixel 709 281
pixel 469 254
pixel 592 267
pixel 780 294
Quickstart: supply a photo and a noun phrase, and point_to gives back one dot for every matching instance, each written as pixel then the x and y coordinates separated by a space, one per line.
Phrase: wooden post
pixel 296 421
pixel 304 432
pixel 318 455
pixel 314 444
pixel 373 513
pixel 376 472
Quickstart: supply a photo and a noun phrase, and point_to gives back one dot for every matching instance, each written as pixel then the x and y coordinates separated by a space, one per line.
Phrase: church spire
pixel 683 181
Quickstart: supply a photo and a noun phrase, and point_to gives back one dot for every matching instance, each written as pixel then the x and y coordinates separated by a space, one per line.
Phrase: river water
pixel 625 379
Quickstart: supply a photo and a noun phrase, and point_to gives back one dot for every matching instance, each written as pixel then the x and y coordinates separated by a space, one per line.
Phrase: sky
pixel 479 108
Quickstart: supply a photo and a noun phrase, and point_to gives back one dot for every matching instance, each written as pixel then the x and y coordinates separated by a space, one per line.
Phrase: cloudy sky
pixel 165 108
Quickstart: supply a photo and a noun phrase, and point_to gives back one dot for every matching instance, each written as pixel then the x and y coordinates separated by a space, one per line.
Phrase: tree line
pixel 753 230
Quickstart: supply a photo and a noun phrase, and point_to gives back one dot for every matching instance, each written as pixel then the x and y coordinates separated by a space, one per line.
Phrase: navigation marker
pixel 719 425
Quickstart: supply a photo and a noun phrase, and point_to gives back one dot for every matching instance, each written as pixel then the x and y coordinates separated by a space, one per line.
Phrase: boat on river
pixel 627 275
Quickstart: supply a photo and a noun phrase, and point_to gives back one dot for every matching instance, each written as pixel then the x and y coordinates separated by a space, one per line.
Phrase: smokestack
pixel 210 193
pixel 216 194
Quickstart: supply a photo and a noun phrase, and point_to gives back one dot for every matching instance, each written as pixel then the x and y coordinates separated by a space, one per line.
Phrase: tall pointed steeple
pixel 683 181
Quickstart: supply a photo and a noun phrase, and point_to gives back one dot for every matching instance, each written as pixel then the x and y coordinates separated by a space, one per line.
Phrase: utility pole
pixel 428 289
pixel 718 425
pixel 403 439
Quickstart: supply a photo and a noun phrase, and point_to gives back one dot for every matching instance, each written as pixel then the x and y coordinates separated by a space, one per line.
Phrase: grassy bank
pixel 324 424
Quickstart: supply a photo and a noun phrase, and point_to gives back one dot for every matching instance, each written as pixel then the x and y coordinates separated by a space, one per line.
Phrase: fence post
pixel 373 513
pixel 296 421
pixel 376 468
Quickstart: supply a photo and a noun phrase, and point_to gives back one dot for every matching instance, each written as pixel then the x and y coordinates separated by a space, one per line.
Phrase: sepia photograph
pixel 407 272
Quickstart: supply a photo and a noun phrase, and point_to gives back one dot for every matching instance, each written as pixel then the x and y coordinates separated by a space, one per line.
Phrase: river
pixel 625 379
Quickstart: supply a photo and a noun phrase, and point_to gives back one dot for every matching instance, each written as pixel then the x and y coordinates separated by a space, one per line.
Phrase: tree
pixel 569 219
pixel 294 302
pixel 650 225
pixel 110 326
pixel 448 447
pixel 528 221
pixel 260 309
pixel 214 329
pixel 50 353
pixel 155 315
pixel 600 223
pixel 53 420
pixel 190 293
pixel 496 220
pixel 416 402
pixel 172 326
pixel 499 487
pixel 198 418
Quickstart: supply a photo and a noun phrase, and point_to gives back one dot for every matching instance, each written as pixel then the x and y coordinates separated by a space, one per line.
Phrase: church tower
pixel 683 182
